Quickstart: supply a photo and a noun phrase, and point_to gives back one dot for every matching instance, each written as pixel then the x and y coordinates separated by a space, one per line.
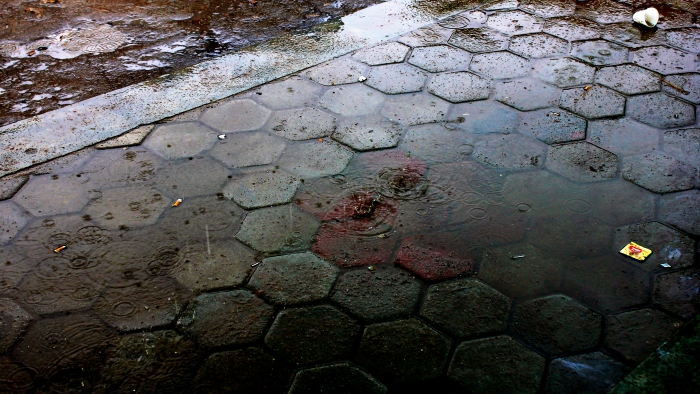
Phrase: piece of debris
pixel 255 264
pixel 222 136
pixel 362 78
pixel 177 202
pixel 371 268
pixel 519 256
pixel 60 248
pixel 665 265
pixel 586 89
pixel 648 17
pixel 320 140
pixel 678 88
pixel 635 251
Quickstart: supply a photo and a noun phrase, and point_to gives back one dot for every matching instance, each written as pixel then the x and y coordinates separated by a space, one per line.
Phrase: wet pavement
pixel 442 212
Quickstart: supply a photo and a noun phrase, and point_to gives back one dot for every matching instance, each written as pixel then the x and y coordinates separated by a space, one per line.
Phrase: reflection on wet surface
pixel 386 235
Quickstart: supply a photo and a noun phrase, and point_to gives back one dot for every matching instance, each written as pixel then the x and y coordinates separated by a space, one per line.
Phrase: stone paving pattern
pixel 440 212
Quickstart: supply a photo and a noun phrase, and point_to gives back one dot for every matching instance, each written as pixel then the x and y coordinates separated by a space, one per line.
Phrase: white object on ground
pixel 648 17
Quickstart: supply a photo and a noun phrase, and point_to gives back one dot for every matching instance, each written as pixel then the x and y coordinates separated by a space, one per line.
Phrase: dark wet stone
pixel 686 38
pixel 352 100
pixel 582 161
pixel 118 167
pixel 668 245
pixel 572 235
pixel 510 151
pixel 623 136
pixel 290 93
pixel 226 318
pixel 483 117
pixel 403 351
pixel 436 143
pixel 197 177
pixel 47 195
pixel 232 116
pixel 603 11
pixel 312 159
pixel 257 190
pixel 547 8
pixel 302 124
pixel 396 78
pixel 337 378
pixel 161 361
pixel 594 103
pixel 221 264
pixel 572 28
pixel 593 373
pixel 248 149
pixel 177 140
pixel 466 307
pixel 14 377
pixel 439 58
pixel 683 144
pixel 312 335
pixel 13 321
pixel 637 334
pixel 131 206
pixel 10 185
pixel 633 36
pixel 293 279
pixel 677 292
pixel 616 202
pixel 599 52
pixel 689 82
pixel 278 229
pixel 380 294
pixel 514 22
pixel 337 72
pixel 557 324
pixel 527 94
pixel 681 210
pixel 368 134
pixel 553 126
pixel 665 60
pixel 564 72
pixel 496 365
pixel 628 79
pixel 500 65
pixel 659 173
pixel 212 217
pixel 415 109
pixel 431 265
pixel 479 40
pixel 249 370
pixel 660 110
pixel 12 221
pixel 391 52
pixel 538 45
pixel 458 87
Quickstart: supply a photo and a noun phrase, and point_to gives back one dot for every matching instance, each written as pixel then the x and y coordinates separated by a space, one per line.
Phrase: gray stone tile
pixel 236 115
pixel 503 5
pixel 677 292
pixel 584 373
pixel 680 210
pixel 686 38
pixel 538 45
pixel 293 279
pixel 413 109
pixel 117 167
pixel 458 87
pixel 514 22
pixel 510 151
pixel 16 321
pixel 659 173
pixel 353 100
pixel 248 149
pixel 189 178
pixel 572 28
pixel 368 134
pixel 688 82
pixel 665 60
pixel 496 365
pixel 390 52
pixel 19 265
pixel 683 145
pixel 197 219
pixel 527 94
pixel 295 335
pixel 564 72
pixel 429 35
pixel 669 245
pixel 249 370
pixel 130 138
pixel 337 72
pixel 10 185
pixel 396 78
pixel 616 202
pixel 636 334
pixel 594 103
pixel 314 159
pixel 548 9
pixel 336 378
pixel 262 189
pixel 479 40
pixel 660 110
pixel 439 58
pixel 483 117
pixel 46 195
pixel 131 206
pixel 218 265
pixel 438 143
pixel 177 140
pixel 599 52
pixel 278 229
pixel 623 136
pixel 631 36
pixel 12 221
pixel 628 79
pixel 603 11
pixel 469 19
pixel 290 93
pixel 553 126
pixel 500 65
pixel 302 124
pixel 582 161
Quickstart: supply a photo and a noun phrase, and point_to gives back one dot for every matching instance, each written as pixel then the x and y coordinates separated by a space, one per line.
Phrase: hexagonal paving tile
pixel 131 206
pixel 248 149
pixel 496 365
pixel 659 173
pixel 510 151
pixel 312 335
pixel 315 159
pixel 12 221
pixel 660 110
pixel 214 217
pixel 429 264
pixel 289 93
pixel 690 83
pixel 665 60
pixel 189 178
pixel 395 351
pixel 369 134
pixel 500 65
pixel 390 52
pixel 436 143
pixel 415 109
pixel 514 22
pixel 623 136
pixel 538 45
pixel 223 264
pixel 677 292
pixel 680 210
pixel 249 370
pixel 629 35
pixel 49 195
pixel 176 140
pixel 584 373
pixel 430 35
pixel 10 185
pixel 683 144
pixel 293 279
pixel 439 58
pixel 572 28
pixel 603 11
pixel 479 40
pixel 302 124
pixel 278 229
pixel 466 307
pixel 582 161
pixel 557 324
pixel 396 78
pixel 615 202
pixel 470 19
pixel 15 321
pixel 458 87
pixel 628 79
pixel 484 117
pixel 14 267
pixel 257 190
pixel 130 138
pixel 503 5
pixel 596 102
pixel 552 127
pixel 564 72
pixel 336 378
pixel 687 38
pixel 570 235
pixel 670 246
pixel 236 115
pixel 337 72
pixel 381 294
pixel 637 334
pixel 527 94
pixel 547 9
pixel 352 100
pixel 599 52
pixel 118 167
pixel 226 318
